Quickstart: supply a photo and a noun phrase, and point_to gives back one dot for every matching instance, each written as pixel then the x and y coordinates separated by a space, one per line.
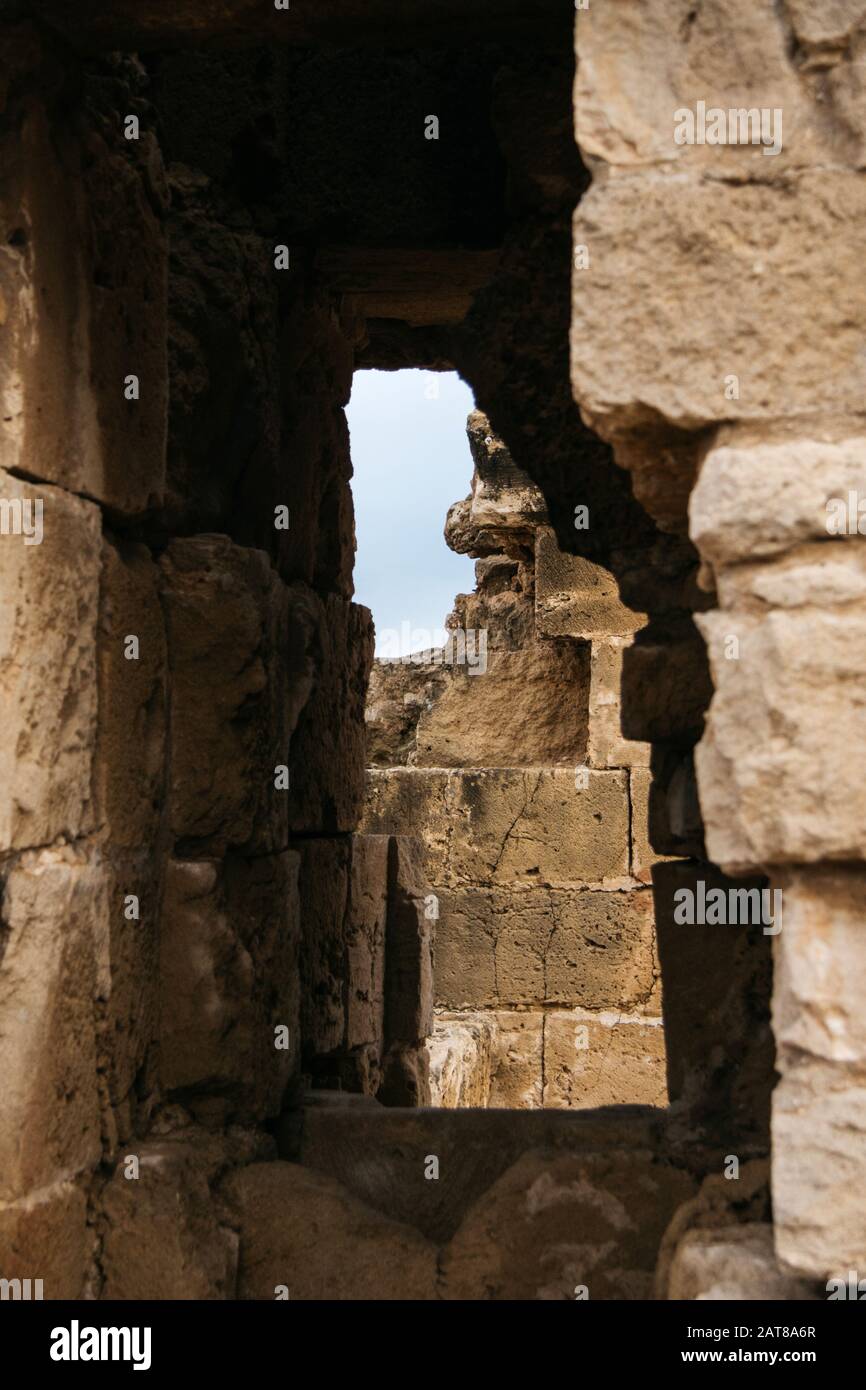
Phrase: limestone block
pixel 227 628
pixel 762 492
pixel 306 1233
pixel 819 1107
pixel 324 887
pixel 777 782
pixel 49 1126
pixel 574 597
pixel 129 764
pixel 85 310
pixel 328 745
pixel 45 1236
pixel 606 1058
pixel 639 63
pixel 47 662
pixel 733 1264
pixel 408 945
pixel 229 983
pixel 819 1142
pixel 507 825
pixel 657 292
pixel 607 747
pixel 503 496
pixel 716 982
pixel 405 1075
pixel 642 789
pixel 496 948
pixel 556 1221
pixel 162 1234
pixel 460 1050
pixel 518 1060
pixel 126 938
pixel 527 706
pixel 365 940
pixel 474 1148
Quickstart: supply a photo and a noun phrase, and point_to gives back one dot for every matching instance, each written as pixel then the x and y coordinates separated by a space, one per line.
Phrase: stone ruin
pixel 380 985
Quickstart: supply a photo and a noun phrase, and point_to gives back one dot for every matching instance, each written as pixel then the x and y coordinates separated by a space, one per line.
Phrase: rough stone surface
pixel 74 326
pixel 507 826
pixel 497 948
pixel 603 1058
pixel 50 1104
pixel 45 1236
pixel 818 1105
pixel 304 1232
pixel 227 626
pixel 129 767
pixel 228 971
pixel 47 663
pixel 460 1049
pixel 553 1223
pixel 163 1236
pixel 735 1264
pixel 576 598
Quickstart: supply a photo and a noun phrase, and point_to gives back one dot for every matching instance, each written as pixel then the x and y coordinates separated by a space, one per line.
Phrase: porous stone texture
pixel 50 574
pixel 72 306
pixel 50 1106
pixel 163 1233
pixel 228 976
pixel 736 1263
pixel 656 570
pixel 563 1227
pixel 504 826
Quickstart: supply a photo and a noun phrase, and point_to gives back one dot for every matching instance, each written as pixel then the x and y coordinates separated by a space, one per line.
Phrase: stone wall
pixel 211 215
pixel 504 756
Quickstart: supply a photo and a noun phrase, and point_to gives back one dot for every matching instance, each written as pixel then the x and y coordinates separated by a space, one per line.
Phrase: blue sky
pixel 411 460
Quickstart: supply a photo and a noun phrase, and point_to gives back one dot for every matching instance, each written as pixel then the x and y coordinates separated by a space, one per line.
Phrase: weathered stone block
pixel 227 621
pixel 764 490
pixel 657 292
pixel 461 1053
pixel 529 704
pixel 554 1222
pixel 76 325
pixel 324 887
pixel 50 1105
pixel 607 1058
pixel 819 1107
pixel 507 826
pixel 519 1059
pixel 45 1236
pixel 365 940
pixel 306 1233
pixel 47 662
pixel 408 946
pixel 607 747
pixel 497 948
pixel 328 745
pixel 642 789
pixel 819 1139
pixel 574 597
pixel 126 940
pixel 733 1264
pixel 777 783
pixel 129 764
pixel 229 985
pixel 163 1235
